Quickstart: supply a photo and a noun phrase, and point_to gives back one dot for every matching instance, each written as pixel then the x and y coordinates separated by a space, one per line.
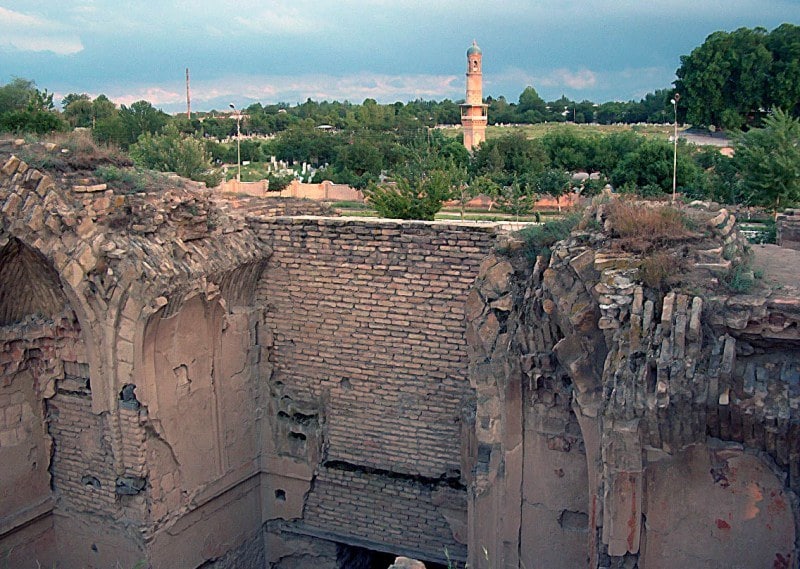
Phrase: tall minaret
pixel 473 111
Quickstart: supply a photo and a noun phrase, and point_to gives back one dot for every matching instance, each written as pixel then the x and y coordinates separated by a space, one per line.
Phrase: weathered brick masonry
pixel 368 322
pixel 189 382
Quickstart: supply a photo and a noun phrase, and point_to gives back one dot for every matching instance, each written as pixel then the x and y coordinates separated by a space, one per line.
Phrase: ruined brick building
pixel 186 383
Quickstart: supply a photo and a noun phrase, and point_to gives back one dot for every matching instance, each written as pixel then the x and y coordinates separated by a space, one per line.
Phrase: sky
pixel 243 51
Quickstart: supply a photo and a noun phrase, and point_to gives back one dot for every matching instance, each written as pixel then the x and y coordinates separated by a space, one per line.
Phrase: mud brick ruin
pixel 188 381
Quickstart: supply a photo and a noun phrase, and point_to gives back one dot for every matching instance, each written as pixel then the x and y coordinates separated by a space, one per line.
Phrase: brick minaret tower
pixel 473 111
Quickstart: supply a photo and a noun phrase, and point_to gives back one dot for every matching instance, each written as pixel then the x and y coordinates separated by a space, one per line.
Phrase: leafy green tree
pixel 278 182
pixel 532 107
pixel 507 157
pixel 768 160
pixel 103 108
pixel 303 142
pixel 361 156
pixel 610 149
pixel 416 191
pixel 448 112
pixel 140 118
pixel 650 166
pixel 593 186
pixel 78 110
pixel 501 111
pixel 553 182
pixel 516 199
pixel 784 44
pixel 172 152
pixel 484 185
pixel 613 112
pixel 733 77
pixel 14 96
pixel 110 130
pixel 568 150
pixel 24 108
pixel 722 181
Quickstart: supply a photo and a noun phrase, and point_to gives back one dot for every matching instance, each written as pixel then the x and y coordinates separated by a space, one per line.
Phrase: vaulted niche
pixel 41 345
pixel 28 285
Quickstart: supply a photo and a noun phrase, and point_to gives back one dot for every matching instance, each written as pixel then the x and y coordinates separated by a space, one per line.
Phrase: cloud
pixel 381 87
pixel 579 80
pixel 242 89
pixel 570 12
pixel 24 32
pixel 280 21
pixel 158 96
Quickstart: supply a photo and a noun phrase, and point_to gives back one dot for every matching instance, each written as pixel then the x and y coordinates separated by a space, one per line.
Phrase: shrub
pixel 413 197
pixel 740 278
pixel 172 152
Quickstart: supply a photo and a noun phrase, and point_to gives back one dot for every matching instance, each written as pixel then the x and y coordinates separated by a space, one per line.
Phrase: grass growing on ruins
pixel 127 180
pixel 657 269
pixel 638 228
pixel 740 278
pixel 71 151
pixel 539 239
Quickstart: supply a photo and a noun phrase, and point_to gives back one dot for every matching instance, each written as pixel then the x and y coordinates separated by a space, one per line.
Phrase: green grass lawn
pixel 450 215
pixel 534 131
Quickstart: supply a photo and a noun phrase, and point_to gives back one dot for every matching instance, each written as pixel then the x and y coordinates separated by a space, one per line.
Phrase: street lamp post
pixel 238 143
pixel 675 148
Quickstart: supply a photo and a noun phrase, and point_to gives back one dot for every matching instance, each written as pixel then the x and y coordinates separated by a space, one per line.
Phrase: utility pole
pixel 188 97
pixel 238 142
pixel 674 102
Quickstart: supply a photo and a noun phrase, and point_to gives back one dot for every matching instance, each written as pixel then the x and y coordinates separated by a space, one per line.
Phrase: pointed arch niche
pixel 42 356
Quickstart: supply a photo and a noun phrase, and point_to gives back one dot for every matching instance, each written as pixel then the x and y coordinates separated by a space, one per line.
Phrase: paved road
pixel 706 139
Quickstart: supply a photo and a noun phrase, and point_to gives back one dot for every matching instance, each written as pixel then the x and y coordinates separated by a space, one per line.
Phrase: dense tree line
pixel 735 78
pixel 743 79
pixel 24 108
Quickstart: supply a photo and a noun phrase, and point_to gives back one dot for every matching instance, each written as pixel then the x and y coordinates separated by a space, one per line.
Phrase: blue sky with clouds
pixel 390 50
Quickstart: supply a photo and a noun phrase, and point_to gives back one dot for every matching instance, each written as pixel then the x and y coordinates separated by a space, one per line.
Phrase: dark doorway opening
pixel 352 557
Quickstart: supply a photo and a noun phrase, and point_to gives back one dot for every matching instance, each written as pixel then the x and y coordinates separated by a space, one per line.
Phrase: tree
pixel 102 107
pixel 532 107
pixel 553 182
pixel 610 149
pixel 278 182
pixel 734 77
pixel 14 96
pixel 24 108
pixel 568 150
pixel 768 160
pixel 784 44
pixel 140 118
pixel 650 166
pixel 78 110
pixel 516 199
pixel 507 157
pixel 417 190
pixel 172 152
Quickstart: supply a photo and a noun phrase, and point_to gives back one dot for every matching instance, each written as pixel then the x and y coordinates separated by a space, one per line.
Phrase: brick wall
pixel 370 315
pixel 31 358
pixel 368 320
pixel 384 509
pixel 83 463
